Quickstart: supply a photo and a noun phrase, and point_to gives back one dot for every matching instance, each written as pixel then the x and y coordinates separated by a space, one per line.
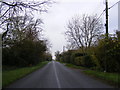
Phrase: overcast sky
pixel 59 14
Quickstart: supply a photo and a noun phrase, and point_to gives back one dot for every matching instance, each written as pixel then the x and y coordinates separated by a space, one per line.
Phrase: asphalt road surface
pixel 56 75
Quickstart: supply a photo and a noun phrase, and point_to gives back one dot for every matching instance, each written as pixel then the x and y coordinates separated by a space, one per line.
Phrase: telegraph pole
pixel 106 25
pixel 106 36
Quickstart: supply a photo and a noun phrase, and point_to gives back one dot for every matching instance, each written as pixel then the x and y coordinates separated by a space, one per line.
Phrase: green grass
pixel 74 66
pixel 10 76
pixel 60 62
pixel 7 68
pixel 111 78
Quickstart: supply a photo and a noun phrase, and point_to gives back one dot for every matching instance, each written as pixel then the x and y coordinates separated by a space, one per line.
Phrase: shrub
pixel 87 61
pixel 78 61
pixel 108 54
pixel 23 53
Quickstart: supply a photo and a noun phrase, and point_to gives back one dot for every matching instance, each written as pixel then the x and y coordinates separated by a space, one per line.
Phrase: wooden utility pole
pixel 106 25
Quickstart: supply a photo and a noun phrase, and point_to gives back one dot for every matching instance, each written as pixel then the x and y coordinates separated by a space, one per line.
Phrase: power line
pixel 101 14
pixel 114 5
pixel 108 8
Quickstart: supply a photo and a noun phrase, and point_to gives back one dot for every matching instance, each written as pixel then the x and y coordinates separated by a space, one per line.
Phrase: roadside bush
pixel 78 60
pixel 72 60
pixel 87 61
pixel 46 56
pixel 108 54
pixel 68 56
pixel 24 53
pixel 76 57
pixel 96 63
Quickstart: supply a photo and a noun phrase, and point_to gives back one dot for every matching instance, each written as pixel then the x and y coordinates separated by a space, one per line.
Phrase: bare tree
pixel 83 31
pixel 20 28
pixel 14 8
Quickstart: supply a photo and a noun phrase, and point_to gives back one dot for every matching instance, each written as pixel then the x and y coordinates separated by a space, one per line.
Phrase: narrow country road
pixel 56 75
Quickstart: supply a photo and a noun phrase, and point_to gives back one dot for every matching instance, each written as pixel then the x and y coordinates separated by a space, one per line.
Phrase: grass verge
pixel 10 76
pixel 74 66
pixel 110 78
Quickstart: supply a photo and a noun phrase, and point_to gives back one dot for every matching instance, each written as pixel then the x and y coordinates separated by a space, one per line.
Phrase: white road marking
pixel 58 82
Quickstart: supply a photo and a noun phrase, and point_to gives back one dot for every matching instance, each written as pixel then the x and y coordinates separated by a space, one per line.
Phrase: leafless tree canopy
pixel 9 10
pixel 15 7
pixel 83 31
pixel 20 28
